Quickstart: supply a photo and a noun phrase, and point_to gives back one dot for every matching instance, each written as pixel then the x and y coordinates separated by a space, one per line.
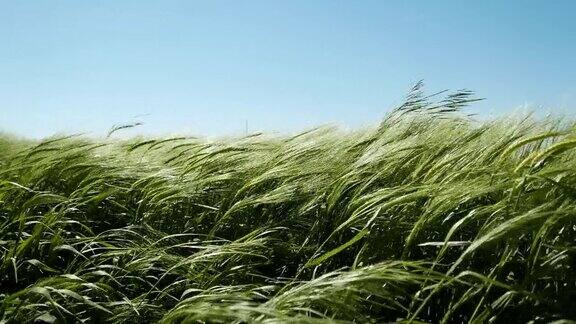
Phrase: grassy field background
pixel 429 216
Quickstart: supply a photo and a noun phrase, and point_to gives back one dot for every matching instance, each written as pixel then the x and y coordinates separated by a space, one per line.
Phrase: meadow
pixel 429 216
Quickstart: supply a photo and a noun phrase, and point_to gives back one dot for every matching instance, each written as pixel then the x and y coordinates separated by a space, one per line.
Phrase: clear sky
pixel 205 67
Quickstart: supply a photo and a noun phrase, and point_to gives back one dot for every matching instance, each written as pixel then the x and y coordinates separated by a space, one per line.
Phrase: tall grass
pixel 429 217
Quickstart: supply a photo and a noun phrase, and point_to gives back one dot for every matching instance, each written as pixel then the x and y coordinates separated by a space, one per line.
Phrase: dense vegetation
pixel 429 217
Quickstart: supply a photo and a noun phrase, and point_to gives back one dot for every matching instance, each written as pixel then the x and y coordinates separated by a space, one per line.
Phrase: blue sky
pixel 205 67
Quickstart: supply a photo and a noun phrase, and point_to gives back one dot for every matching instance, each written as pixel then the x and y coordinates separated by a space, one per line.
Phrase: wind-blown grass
pixel 429 217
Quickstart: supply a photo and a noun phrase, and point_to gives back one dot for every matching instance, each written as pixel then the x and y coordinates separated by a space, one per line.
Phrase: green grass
pixel 428 217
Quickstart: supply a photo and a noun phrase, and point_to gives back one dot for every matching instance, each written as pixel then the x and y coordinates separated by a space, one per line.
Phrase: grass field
pixel 429 216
